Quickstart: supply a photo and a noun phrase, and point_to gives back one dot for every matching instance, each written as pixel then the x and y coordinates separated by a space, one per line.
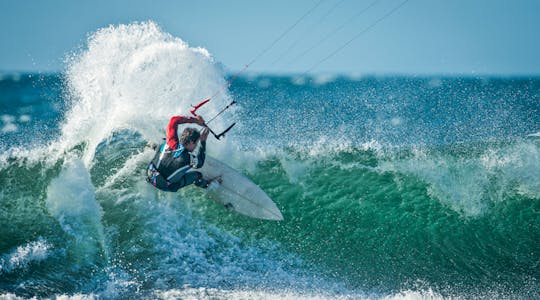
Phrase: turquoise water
pixel 391 187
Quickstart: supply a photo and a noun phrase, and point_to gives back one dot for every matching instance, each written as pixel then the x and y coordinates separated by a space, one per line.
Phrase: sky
pixel 455 37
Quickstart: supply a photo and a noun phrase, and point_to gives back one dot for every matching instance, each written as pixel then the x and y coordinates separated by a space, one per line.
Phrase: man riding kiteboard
pixel 171 167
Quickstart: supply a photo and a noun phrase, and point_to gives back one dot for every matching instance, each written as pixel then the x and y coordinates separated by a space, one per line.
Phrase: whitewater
pixel 397 187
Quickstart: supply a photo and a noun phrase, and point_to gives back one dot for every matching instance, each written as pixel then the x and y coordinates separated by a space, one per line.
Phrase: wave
pixel 366 214
pixel 113 234
pixel 359 223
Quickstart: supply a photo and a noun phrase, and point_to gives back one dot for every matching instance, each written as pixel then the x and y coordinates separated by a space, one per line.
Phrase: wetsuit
pixel 171 167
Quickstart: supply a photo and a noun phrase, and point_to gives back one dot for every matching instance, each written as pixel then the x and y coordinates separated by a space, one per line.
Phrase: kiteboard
pixel 237 192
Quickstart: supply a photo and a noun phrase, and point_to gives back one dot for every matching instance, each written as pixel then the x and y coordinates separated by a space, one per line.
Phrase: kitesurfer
pixel 172 166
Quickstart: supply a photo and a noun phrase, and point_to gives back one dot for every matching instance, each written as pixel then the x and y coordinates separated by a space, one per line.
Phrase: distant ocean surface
pixel 397 187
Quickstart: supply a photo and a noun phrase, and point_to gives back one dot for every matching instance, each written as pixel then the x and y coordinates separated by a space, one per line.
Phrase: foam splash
pixel 458 183
pixel 136 77
pixel 517 165
pixel 11 296
pixel 211 293
pixel 25 255
pixel 9 125
pixel 204 255
pixel 466 183
pixel 71 200
pixel 190 293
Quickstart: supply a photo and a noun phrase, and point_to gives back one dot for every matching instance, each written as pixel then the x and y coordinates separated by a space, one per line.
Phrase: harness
pixel 152 172
pixel 164 149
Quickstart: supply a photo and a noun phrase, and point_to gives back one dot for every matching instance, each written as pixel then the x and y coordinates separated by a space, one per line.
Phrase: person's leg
pixel 158 181
pixel 189 178
pixel 197 179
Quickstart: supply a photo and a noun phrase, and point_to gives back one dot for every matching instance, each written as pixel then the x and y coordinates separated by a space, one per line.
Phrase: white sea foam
pixel 415 295
pixel 212 293
pixel 9 127
pixel 299 80
pixel 458 183
pixel 25 118
pixel 516 166
pixel 323 79
pixel 470 184
pixel 76 297
pixel 435 82
pixel 25 255
pixel 11 296
pixel 7 118
pixel 191 293
pixel 71 200
pixel 136 77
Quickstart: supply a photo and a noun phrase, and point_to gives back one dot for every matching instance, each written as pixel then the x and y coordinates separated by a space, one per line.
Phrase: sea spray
pixel 25 255
pixel 136 77
pixel 71 200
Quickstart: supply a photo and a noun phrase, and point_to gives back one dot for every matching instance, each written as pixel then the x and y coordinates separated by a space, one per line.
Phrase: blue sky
pixel 469 37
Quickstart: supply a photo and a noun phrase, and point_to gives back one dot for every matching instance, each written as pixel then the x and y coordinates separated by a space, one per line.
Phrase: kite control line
pixel 221 111
pixel 193 111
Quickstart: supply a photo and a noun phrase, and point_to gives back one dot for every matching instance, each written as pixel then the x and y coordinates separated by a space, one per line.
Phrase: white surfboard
pixel 238 193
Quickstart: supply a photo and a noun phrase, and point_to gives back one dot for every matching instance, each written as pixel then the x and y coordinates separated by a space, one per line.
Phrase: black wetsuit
pixel 170 170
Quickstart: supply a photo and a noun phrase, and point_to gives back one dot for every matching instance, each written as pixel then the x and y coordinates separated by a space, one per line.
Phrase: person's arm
pixel 201 155
pixel 202 149
pixel 172 128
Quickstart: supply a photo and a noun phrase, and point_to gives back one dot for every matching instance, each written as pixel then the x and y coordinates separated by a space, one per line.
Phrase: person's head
pixel 189 138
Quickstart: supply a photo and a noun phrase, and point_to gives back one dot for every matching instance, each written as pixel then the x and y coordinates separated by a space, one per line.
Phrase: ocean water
pixel 395 187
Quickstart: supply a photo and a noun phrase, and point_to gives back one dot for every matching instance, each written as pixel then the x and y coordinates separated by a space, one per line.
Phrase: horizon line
pixel 351 75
